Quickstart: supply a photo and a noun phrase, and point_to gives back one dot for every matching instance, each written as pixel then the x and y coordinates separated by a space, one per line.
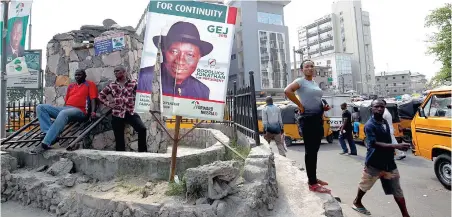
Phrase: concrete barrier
pixel 106 165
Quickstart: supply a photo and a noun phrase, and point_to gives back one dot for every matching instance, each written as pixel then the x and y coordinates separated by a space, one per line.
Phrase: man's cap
pixel 183 32
pixel 119 68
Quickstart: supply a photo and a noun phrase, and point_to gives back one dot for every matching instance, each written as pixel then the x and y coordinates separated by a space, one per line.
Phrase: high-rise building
pixel 344 32
pixel 261 45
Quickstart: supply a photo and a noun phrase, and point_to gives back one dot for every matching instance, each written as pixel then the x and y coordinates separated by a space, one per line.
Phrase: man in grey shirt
pixel 273 125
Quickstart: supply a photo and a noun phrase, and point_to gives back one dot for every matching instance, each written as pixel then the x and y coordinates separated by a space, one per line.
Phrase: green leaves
pixel 440 42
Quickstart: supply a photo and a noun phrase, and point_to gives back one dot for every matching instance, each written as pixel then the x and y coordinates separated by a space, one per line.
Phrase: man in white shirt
pixel 388 117
pixel 273 125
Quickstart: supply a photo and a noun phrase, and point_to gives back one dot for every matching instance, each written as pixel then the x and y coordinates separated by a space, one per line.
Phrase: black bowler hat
pixel 184 32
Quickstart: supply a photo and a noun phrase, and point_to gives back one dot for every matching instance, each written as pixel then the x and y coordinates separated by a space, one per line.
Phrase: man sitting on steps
pixel 79 96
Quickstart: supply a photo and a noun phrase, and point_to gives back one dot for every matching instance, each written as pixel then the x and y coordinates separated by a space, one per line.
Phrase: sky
pixel 397 26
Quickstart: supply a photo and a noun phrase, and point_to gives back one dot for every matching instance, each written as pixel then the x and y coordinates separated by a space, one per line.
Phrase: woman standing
pixel 311 108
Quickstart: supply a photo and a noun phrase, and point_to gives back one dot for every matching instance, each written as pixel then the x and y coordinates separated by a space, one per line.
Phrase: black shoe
pixel 354 154
pixel 343 153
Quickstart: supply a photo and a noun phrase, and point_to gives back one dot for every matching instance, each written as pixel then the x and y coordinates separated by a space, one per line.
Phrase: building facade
pixel 322 76
pixel 345 30
pixel 390 84
pixel 418 82
pixel 261 45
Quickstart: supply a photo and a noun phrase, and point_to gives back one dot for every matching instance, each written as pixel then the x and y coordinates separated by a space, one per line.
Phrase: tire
pixel 330 138
pixel 443 169
pixel 288 141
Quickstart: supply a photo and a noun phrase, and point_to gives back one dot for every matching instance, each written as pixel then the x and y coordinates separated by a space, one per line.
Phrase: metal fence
pixel 19 114
pixel 240 110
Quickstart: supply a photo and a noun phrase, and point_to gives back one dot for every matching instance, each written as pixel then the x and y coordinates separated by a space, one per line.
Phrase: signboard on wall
pixel 25 72
pixel 108 44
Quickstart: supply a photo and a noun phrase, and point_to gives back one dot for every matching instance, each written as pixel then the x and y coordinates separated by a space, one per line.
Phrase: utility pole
pixel 295 63
pixel 29 30
pixel 3 69
pixel 27 92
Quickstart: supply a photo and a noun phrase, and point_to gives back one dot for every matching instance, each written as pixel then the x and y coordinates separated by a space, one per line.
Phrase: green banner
pixel 191 9
pixel 18 16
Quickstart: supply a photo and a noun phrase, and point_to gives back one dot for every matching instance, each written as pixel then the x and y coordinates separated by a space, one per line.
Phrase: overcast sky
pixel 397 26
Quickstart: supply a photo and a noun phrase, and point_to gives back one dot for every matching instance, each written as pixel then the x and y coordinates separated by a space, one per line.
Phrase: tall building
pixel 346 30
pixel 261 45
pixel 322 75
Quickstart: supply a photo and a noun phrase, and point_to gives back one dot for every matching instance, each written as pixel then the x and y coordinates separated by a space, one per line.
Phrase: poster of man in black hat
pixel 188 44
pixel 182 49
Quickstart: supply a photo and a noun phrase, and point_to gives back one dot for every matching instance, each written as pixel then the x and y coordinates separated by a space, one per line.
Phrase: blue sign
pixel 108 44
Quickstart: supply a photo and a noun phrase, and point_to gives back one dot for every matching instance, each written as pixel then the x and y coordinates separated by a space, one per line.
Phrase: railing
pixel 19 114
pixel 240 111
pixel 29 134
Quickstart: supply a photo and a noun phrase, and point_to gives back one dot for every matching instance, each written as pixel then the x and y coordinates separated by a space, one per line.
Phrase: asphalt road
pixel 424 194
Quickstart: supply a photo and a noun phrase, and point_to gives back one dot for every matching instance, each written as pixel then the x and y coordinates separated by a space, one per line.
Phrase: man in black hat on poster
pixel 182 48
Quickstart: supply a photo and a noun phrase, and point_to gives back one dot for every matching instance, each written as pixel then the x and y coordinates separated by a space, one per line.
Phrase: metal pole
pixel 295 74
pixel 254 109
pixel 29 30
pixel 29 48
pixel 174 151
pixel 3 70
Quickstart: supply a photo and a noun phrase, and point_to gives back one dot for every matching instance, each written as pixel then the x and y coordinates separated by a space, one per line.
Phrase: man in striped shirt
pixel 123 91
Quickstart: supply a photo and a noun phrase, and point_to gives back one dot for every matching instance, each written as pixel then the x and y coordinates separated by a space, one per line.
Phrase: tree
pixel 440 42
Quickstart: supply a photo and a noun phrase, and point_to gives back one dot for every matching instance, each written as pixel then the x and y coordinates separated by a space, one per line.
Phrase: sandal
pixel 318 188
pixel 361 210
pixel 322 183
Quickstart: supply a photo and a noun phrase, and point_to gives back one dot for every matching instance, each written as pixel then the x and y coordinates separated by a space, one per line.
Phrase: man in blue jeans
pixel 78 96
pixel 346 132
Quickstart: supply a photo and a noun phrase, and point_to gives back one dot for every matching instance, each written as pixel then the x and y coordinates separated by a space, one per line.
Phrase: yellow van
pixel 19 117
pixel 431 131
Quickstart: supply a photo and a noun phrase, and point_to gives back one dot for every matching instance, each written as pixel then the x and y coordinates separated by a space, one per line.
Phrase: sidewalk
pixel 295 199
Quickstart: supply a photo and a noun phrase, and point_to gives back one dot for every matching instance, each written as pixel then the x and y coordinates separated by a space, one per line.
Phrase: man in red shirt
pixel 78 96
pixel 123 91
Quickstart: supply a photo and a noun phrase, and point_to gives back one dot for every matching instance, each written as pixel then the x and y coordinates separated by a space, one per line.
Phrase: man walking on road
pixel 123 91
pixel 346 132
pixel 273 125
pixel 380 162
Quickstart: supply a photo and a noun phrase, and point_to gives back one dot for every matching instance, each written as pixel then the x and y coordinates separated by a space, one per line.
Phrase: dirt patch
pixel 130 189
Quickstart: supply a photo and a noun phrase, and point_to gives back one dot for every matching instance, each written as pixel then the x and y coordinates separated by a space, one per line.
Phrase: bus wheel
pixel 288 141
pixel 443 169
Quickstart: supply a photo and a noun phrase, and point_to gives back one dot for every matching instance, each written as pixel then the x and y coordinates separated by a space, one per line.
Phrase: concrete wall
pixel 66 53
pixel 107 165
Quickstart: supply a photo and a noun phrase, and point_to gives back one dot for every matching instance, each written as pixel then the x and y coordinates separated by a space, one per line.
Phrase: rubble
pixel 68 181
pixel 61 167
pixel 215 180
pixel 8 162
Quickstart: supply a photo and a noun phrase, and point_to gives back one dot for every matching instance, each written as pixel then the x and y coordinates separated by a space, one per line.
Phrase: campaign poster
pixel 18 15
pixel 195 41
